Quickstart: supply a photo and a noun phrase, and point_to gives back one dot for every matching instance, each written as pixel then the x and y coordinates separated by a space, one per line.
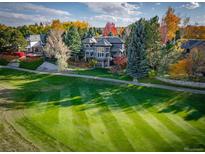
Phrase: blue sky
pixel 97 14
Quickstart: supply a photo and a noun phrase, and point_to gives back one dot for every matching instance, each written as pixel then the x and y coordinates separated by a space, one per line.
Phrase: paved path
pixel 114 80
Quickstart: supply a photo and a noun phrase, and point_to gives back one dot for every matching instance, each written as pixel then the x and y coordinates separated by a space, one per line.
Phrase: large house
pixel 103 49
pixel 35 44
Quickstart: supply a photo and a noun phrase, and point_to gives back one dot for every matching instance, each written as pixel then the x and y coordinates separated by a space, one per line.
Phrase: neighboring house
pixel 35 44
pixel 199 46
pixel 103 49
pixel 191 45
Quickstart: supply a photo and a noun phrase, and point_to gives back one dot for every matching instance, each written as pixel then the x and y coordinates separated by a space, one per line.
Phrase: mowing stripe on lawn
pixel 145 132
pixel 191 131
pixel 180 123
pixel 115 131
pixel 169 136
pixel 129 128
pixel 68 118
pixel 97 128
pixel 80 122
pixel 188 138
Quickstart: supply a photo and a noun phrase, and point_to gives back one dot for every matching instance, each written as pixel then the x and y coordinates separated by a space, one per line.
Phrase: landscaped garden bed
pixel 31 62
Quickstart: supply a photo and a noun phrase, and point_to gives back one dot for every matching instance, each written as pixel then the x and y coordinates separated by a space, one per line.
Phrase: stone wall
pixel 183 83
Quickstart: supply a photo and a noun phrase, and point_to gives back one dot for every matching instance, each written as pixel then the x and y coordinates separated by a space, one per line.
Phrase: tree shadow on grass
pixel 47 91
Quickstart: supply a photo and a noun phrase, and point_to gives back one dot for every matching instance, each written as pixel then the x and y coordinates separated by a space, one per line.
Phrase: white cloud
pixel 157 3
pixel 115 9
pixel 119 13
pixel 42 9
pixel 191 5
pixel 27 13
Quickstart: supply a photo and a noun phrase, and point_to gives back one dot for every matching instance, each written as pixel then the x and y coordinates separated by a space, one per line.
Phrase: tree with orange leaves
pixel 57 25
pixel 110 29
pixel 172 22
pixel 180 69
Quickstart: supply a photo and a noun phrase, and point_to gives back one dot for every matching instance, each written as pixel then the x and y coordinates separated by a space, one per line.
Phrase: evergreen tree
pixel 137 61
pixel 153 42
pixel 91 32
pixel 73 41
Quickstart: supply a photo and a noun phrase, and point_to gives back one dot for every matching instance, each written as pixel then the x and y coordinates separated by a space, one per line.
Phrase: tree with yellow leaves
pixel 57 25
pixel 172 22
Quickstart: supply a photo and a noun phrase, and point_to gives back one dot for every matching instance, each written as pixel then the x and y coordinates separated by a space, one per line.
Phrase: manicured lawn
pixel 58 113
pixel 156 81
pixel 105 73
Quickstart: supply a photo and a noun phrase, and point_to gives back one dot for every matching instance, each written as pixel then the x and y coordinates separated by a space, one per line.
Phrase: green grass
pixel 31 65
pixel 156 81
pixel 71 114
pixel 105 73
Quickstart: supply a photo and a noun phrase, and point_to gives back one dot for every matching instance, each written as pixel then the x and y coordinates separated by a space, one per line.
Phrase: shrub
pixel 180 70
pixel 152 74
pixel 120 61
pixel 31 63
pixel 5 59
pixel 93 62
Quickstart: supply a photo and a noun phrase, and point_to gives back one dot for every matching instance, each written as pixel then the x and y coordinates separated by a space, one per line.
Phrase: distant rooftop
pixel 192 43
pixel 102 42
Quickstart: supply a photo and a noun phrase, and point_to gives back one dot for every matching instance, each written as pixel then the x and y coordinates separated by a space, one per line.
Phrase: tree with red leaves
pixel 120 61
pixel 110 29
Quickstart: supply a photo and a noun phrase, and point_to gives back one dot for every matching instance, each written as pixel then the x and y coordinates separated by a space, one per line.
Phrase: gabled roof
pixel 34 38
pixel 112 39
pixel 103 42
pixel 89 40
pixel 192 43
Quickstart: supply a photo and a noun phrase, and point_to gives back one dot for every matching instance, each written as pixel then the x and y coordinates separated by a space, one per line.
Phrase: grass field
pixel 105 73
pixel 55 113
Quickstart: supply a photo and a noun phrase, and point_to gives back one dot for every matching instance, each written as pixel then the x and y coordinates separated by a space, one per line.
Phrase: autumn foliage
pixel 110 28
pixel 120 61
pixel 172 22
pixel 180 69
pixel 194 32
pixel 57 25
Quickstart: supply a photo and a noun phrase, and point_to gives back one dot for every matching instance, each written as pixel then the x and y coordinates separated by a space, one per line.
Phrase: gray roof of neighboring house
pixel 89 40
pixel 192 43
pixel 34 38
pixel 102 42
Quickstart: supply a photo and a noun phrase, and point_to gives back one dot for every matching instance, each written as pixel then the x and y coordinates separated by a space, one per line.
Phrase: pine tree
pixel 137 61
pixel 73 41
pixel 153 42
pixel 91 32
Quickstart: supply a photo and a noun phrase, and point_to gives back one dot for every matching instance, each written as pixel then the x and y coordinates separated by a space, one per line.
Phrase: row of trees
pixel 147 52
pixel 11 39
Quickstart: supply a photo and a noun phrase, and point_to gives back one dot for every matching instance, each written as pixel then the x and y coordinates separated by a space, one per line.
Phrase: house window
pixel 100 49
pixel 107 49
pixel 100 54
